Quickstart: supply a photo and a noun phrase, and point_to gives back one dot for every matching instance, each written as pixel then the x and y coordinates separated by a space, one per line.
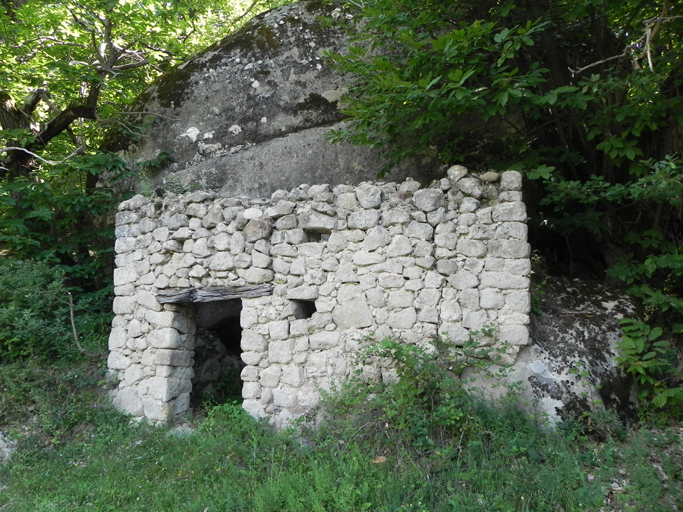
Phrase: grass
pixel 78 454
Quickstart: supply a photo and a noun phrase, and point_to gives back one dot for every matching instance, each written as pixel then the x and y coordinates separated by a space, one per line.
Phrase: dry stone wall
pixel 344 262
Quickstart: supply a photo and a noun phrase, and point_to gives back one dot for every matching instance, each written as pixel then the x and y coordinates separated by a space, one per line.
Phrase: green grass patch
pixel 379 448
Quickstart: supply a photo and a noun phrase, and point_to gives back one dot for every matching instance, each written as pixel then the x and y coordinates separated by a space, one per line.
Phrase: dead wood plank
pixel 212 294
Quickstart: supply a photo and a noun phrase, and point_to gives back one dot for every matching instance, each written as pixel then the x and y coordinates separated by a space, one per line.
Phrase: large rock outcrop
pixel 250 114
pixel 569 367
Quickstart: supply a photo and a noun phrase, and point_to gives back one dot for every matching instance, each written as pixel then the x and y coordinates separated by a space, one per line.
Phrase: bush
pixel 35 316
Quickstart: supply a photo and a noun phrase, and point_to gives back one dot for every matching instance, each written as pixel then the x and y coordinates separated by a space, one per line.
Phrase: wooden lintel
pixel 178 295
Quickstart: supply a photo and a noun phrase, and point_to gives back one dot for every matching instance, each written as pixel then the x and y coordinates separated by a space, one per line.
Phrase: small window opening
pixel 313 236
pixel 303 308
pixel 218 362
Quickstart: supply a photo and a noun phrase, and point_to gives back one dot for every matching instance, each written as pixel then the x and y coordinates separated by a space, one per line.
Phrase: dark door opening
pixel 217 357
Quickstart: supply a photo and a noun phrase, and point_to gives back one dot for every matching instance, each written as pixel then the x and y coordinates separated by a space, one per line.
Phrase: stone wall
pixel 380 259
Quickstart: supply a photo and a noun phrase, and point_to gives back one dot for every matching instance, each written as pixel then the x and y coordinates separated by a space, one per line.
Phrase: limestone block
pixel 428 297
pixel 284 249
pixel 156 410
pixel 509 212
pixel 455 173
pixel 481 232
pixel 254 408
pixel 252 341
pixel 124 305
pixel 134 328
pixel 252 358
pixel 428 199
pixel 324 340
pixel 257 230
pixel 285 397
pixel 252 213
pixel 376 297
pixel 402 319
pixel 173 357
pixel 387 280
pixel 160 318
pixel 364 258
pixel 400 299
pixel 447 267
pixel 251 390
pixel 270 377
pixel 278 330
pixel 377 237
pixel 125 275
pixel 474 319
pixel 363 219
pixel 446 240
pixel 512 230
pixel 319 222
pixel 420 231
pixel 511 180
pixel 434 280
pixel 518 267
pixel 128 400
pixel 450 311
pixel 369 196
pixel 198 272
pixel 471 248
pixel 518 301
pixel 484 215
pixel 455 332
pixel 514 334
pixel 117 361
pixel 510 196
pixel 249 374
pixel 166 337
pixel 126 217
pixel 305 292
pixel 293 376
pixel 258 275
pixel 222 261
pixel 280 266
pixel 436 217
pixel 347 201
pixel 352 315
pixel 281 351
pixel 260 260
pixel 299 327
pixel 399 246
pixel 117 338
pixel 492 298
pixel 285 223
pixel 428 314
pixel 502 280
pixel 463 279
pixel 426 263
pixel 336 243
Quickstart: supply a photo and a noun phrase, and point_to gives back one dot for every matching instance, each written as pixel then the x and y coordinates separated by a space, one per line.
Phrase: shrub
pixel 35 316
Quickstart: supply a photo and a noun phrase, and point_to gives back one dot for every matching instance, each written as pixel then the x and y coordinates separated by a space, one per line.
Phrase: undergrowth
pixel 379 447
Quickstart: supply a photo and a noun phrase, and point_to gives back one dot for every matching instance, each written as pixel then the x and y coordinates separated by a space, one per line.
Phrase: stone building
pixel 299 279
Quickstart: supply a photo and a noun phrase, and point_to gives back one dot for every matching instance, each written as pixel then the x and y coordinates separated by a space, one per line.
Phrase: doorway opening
pixel 217 354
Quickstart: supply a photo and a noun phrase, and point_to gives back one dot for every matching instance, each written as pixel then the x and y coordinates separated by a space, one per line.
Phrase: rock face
pixel 569 367
pixel 250 114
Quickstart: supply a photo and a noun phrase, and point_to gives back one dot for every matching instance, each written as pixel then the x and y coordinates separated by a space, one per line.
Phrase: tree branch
pixel 75 332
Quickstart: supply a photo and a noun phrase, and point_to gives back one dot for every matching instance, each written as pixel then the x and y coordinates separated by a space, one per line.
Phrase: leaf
pixel 380 459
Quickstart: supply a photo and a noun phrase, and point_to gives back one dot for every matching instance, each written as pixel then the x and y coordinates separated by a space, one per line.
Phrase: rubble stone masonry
pixel 380 259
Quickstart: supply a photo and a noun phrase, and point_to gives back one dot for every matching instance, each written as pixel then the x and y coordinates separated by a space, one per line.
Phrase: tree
pixel 569 92
pixel 68 71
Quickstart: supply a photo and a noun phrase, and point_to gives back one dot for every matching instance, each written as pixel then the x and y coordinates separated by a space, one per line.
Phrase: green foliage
pixel 437 74
pixel 428 399
pixel 650 359
pixel 68 72
pixel 76 453
pixel 53 217
pixel 35 314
